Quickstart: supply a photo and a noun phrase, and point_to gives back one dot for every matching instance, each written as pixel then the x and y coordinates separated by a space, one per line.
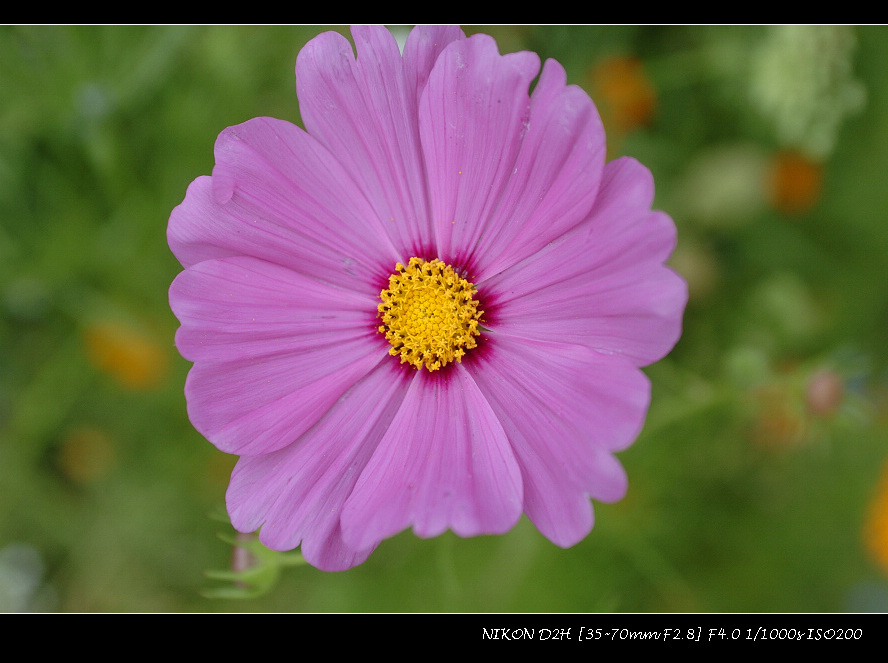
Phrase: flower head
pixel 429 308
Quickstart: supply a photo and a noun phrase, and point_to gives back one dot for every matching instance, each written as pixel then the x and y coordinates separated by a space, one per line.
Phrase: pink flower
pixel 426 310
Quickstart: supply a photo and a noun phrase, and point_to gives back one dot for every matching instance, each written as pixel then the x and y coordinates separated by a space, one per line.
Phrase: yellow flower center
pixel 429 314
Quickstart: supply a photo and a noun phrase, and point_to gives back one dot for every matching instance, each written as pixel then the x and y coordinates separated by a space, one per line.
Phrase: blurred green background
pixel 760 482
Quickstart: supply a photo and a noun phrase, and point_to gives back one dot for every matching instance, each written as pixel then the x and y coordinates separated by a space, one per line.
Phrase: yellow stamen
pixel 429 314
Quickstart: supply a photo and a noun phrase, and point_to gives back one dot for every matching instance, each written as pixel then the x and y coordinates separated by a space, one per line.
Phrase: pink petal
pixel 424 45
pixel 444 463
pixel 198 227
pixel 364 111
pixel 472 115
pixel 565 409
pixel 604 284
pixel 245 308
pixel 508 171
pixel 296 494
pixel 276 194
pixel 251 407
pixel 273 350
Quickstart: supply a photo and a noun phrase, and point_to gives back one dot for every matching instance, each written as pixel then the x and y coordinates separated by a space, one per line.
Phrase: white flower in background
pixel 22 586
pixel 723 186
pixel 802 80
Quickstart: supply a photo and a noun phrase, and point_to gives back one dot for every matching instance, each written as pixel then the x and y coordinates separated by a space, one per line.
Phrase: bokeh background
pixel 760 482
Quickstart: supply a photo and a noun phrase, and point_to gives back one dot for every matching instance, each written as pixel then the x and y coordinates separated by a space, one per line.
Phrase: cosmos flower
pixel 426 310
